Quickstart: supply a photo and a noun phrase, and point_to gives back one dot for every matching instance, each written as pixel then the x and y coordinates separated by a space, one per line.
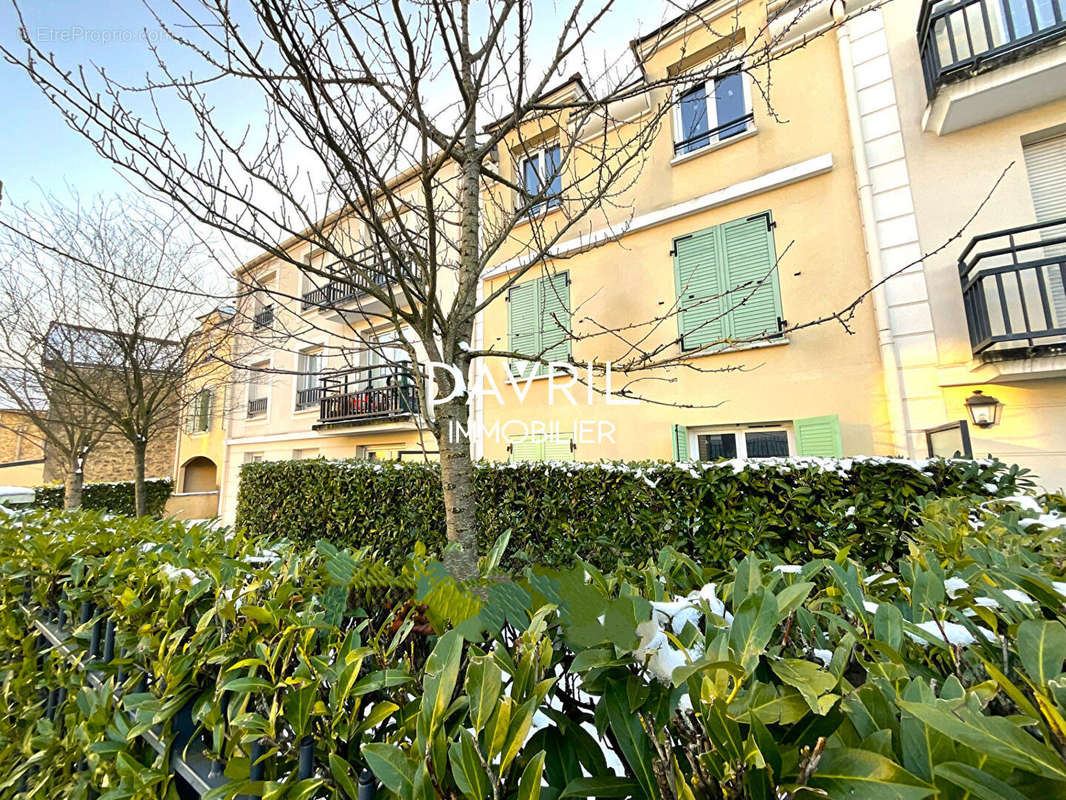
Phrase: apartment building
pixel 733 192
pixel 320 370
pixel 952 96
pixel 857 180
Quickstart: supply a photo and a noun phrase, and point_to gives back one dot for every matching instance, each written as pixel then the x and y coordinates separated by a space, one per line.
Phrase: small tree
pixel 99 300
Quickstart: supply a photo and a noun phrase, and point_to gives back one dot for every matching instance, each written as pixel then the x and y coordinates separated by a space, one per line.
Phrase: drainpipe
pixel 893 378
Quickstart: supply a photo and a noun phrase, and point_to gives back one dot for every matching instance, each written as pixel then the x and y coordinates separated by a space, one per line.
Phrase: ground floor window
pixel 715 443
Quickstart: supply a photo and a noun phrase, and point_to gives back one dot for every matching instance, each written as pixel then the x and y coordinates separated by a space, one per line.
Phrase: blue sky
pixel 39 152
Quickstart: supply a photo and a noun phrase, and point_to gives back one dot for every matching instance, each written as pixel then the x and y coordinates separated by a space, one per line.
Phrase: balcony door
pixel 383 360
pixel 1045 163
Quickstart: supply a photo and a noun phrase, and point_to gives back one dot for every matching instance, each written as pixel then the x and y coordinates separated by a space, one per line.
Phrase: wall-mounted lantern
pixel 984 409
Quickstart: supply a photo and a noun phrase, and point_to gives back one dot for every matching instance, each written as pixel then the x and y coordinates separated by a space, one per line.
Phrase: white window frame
pixel 739 431
pixel 253 458
pixel 263 299
pixel 370 358
pixel 712 113
pixel 196 411
pixel 521 157
pixel 316 350
pixel 256 382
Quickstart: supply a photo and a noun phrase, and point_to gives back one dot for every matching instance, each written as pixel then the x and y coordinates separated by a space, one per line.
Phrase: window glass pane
pixel 694 120
pixel 729 103
pixel 530 175
pixel 551 170
pixel 766 444
pixel 717 445
pixel 308 369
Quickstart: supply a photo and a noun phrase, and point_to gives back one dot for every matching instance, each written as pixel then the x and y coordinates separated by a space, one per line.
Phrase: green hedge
pixel 113 498
pixel 609 512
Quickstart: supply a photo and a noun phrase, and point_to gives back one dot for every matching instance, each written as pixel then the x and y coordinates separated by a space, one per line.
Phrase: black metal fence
pixel 341 291
pixel 263 318
pixel 367 395
pixel 305 398
pixel 257 406
pixel 1014 289
pixel 185 745
pixel 957 38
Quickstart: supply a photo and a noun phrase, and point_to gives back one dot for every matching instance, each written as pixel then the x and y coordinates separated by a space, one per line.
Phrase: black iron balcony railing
pixel 957 38
pixel 1014 290
pixel 263 318
pixel 257 407
pixel 305 398
pixel 364 396
pixel 377 268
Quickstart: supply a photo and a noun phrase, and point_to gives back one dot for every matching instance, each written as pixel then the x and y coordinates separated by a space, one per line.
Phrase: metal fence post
pixel 368 786
pixel 109 641
pixel 307 758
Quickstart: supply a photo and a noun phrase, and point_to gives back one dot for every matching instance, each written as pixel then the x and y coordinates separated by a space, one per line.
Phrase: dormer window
pixel 711 112
pixel 541 174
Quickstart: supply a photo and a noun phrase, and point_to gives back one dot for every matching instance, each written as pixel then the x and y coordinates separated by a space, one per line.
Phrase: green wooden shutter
pixel 680 436
pixel 522 331
pixel 554 308
pixel 819 436
pixel 527 450
pixel 699 280
pixel 754 302
pixel 558 448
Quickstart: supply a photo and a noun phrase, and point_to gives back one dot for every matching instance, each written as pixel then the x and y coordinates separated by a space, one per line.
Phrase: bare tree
pixel 390 159
pixel 97 304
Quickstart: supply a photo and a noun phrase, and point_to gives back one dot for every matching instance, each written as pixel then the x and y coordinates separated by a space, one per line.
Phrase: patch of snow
pixel 825 656
pixel 954 585
pixel 956 634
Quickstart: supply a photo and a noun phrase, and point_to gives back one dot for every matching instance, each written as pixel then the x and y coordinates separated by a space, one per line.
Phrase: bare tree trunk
pixel 457 479
pixel 140 504
pixel 72 487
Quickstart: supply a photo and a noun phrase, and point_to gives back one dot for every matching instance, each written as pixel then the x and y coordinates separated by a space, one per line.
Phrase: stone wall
pixel 19 439
pixel 112 458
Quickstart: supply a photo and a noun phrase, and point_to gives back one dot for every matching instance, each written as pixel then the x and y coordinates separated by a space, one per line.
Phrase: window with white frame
pixel 263 309
pixel 711 112
pixel 386 363
pixel 199 420
pixel 308 378
pixel 253 458
pixel 710 444
pixel 258 391
pixel 540 174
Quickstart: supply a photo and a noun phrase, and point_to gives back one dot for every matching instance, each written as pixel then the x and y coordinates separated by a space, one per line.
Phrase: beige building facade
pixel 973 116
pixel 859 196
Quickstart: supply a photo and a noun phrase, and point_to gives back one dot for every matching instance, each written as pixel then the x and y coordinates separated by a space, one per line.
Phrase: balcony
pixel 337 292
pixel 1014 291
pixel 362 397
pixel 257 407
pixel 960 40
pixel 263 318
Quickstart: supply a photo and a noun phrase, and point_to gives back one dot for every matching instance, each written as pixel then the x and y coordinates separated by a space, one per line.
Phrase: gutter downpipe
pixel 893 378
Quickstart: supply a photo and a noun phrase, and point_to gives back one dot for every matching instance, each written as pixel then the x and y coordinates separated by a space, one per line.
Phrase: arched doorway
pixel 199 475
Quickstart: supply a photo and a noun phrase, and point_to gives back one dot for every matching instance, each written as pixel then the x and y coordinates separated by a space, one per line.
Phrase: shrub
pixel 617 512
pixel 112 498
pixel 658 681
